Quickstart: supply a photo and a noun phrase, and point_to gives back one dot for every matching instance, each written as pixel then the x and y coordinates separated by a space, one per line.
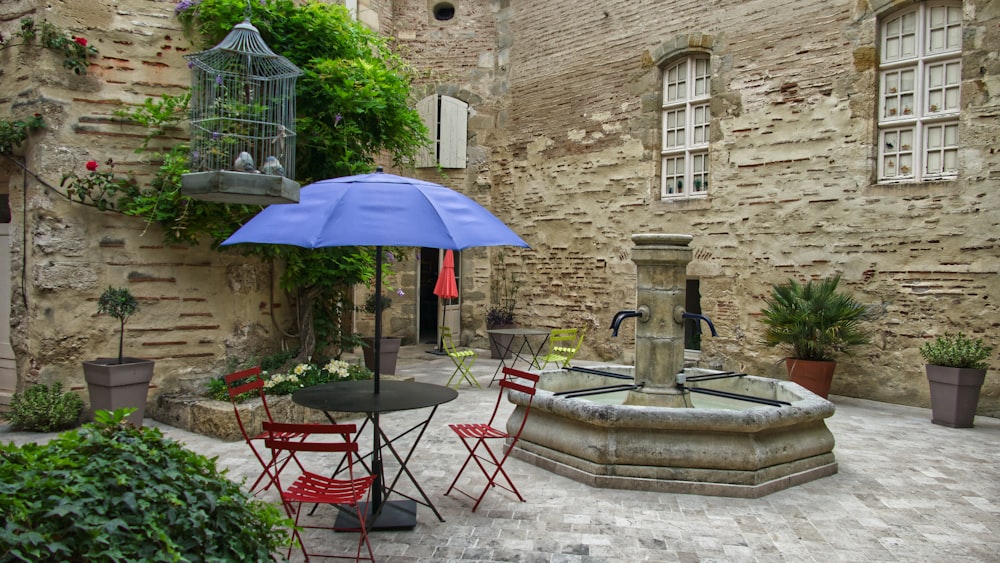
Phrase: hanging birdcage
pixel 242 122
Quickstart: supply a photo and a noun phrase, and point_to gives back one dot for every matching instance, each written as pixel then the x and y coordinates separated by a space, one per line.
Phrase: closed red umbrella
pixel 446 287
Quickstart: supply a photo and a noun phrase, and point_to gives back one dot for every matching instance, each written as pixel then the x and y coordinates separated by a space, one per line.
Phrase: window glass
pixel 686 126
pixel 920 97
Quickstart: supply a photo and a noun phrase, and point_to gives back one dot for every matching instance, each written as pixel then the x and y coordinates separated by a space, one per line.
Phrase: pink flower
pixel 92 165
pixel 82 41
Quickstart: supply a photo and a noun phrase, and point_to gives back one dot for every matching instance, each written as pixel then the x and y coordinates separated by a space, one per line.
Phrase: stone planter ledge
pixel 208 417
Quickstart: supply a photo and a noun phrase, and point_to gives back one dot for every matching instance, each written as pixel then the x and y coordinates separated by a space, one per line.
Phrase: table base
pixel 396 515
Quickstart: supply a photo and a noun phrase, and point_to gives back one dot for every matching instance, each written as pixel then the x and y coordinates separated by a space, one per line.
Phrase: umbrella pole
pixel 377 493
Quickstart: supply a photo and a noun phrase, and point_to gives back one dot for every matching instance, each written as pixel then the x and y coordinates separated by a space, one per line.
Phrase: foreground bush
pixel 112 492
pixel 41 408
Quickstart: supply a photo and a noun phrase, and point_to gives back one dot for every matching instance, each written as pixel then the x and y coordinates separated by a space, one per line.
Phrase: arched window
pixel 686 119
pixel 920 72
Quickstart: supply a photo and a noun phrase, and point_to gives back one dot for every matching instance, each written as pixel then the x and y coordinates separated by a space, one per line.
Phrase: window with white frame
pixel 686 119
pixel 447 121
pixel 920 72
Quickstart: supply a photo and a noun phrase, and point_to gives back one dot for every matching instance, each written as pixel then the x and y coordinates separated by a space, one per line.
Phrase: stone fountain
pixel 656 437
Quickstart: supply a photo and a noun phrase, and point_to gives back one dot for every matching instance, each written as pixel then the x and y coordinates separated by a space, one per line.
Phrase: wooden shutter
pixel 427 108
pixel 453 132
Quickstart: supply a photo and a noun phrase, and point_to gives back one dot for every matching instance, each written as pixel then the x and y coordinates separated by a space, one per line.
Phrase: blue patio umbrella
pixel 377 209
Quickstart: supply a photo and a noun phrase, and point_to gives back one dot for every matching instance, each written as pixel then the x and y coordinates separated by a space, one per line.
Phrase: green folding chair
pixel 463 358
pixel 563 345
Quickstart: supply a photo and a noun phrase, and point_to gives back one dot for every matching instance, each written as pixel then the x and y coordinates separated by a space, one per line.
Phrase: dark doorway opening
pixel 692 304
pixel 428 306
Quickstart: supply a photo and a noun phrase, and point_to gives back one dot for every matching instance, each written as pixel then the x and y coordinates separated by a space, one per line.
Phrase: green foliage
pixel 353 100
pixel 13 133
pixel 957 351
pixel 815 318
pixel 100 189
pixel 75 50
pixel 120 304
pixel 504 288
pixel 287 381
pixel 41 408
pixel 113 492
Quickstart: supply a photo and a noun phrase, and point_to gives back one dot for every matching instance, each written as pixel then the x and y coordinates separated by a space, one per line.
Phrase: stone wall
pixel 198 306
pixel 563 146
pixel 792 179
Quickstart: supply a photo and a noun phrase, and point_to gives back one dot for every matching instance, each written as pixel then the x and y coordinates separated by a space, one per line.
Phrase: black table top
pixel 359 396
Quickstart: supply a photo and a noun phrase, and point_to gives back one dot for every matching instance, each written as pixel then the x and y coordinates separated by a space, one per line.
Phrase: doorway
pixel 430 260
pixel 432 310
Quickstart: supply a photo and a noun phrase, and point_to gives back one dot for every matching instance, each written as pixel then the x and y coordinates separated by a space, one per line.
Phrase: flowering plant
pixel 101 188
pixel 75 49
pixel 302 375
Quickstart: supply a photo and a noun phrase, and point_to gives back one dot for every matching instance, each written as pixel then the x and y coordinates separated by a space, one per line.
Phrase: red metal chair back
pixel 475 436
pixel 312 488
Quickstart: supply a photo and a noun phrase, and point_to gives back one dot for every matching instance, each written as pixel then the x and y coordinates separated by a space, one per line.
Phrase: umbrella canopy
pixel 446 286
pixel 377 209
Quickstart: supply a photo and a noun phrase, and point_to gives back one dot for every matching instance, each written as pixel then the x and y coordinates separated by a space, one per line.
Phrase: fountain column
pixel 661 269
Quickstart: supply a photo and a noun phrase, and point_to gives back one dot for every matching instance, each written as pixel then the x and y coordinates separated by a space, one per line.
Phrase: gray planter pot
pixel 389 349
pixel 114 386
pixel 954 394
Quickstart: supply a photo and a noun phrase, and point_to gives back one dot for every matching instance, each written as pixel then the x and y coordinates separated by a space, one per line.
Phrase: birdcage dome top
pixel 245 49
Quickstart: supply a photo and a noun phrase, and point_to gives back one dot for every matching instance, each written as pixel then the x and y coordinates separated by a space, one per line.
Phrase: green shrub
pixel 957 351
pixel 112 492
pixel 41 408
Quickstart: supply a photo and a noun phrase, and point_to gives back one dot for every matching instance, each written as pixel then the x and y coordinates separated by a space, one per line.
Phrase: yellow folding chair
pixel 563 345
pixel 463 358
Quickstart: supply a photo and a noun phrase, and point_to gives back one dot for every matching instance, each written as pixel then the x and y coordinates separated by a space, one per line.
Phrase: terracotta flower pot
pixel 815 376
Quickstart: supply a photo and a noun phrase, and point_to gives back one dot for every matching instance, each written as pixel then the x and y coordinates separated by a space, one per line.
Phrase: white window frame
pixel 685 123
pixel 920 75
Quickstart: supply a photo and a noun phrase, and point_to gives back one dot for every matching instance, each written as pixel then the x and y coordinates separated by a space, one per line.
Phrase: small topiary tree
pixel 113 492
pixel 120 304
pixel 41 408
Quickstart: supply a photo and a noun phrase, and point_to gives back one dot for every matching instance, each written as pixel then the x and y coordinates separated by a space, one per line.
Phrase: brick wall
pixel 197 306
pixel 792 173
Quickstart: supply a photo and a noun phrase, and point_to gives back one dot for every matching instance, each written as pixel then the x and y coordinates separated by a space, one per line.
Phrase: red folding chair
pixel 475 438
pixel 250 381
pixel 312 488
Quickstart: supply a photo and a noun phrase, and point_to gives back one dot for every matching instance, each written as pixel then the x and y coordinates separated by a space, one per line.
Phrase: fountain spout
pixel 697 317
pixel 616 322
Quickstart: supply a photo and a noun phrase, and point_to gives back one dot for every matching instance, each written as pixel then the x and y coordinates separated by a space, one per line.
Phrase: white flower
pixel 301 368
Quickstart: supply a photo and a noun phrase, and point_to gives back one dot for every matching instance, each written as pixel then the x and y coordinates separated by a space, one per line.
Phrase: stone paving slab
pixel 907 490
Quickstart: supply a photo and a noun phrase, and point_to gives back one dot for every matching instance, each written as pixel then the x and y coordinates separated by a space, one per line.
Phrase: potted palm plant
pixel 817 321
pixel 121 382
pixel 956 368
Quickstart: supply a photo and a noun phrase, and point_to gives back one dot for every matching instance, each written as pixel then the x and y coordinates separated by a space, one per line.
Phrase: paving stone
pixel 907 490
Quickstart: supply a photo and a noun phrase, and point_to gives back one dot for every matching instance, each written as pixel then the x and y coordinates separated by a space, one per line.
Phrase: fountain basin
pixel 745 452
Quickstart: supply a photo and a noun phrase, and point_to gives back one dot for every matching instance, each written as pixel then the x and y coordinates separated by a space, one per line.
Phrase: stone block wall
pixel 793 190
pixel 198 306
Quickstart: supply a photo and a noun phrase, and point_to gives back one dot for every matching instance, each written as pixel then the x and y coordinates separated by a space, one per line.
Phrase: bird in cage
pixel 272 166
pixel 244 163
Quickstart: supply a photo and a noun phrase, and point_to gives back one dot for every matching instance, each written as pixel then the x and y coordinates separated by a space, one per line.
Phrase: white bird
pixel 244 163
pixel 272 166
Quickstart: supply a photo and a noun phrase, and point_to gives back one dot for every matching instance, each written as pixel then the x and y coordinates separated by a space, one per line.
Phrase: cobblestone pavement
pixel 907 490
